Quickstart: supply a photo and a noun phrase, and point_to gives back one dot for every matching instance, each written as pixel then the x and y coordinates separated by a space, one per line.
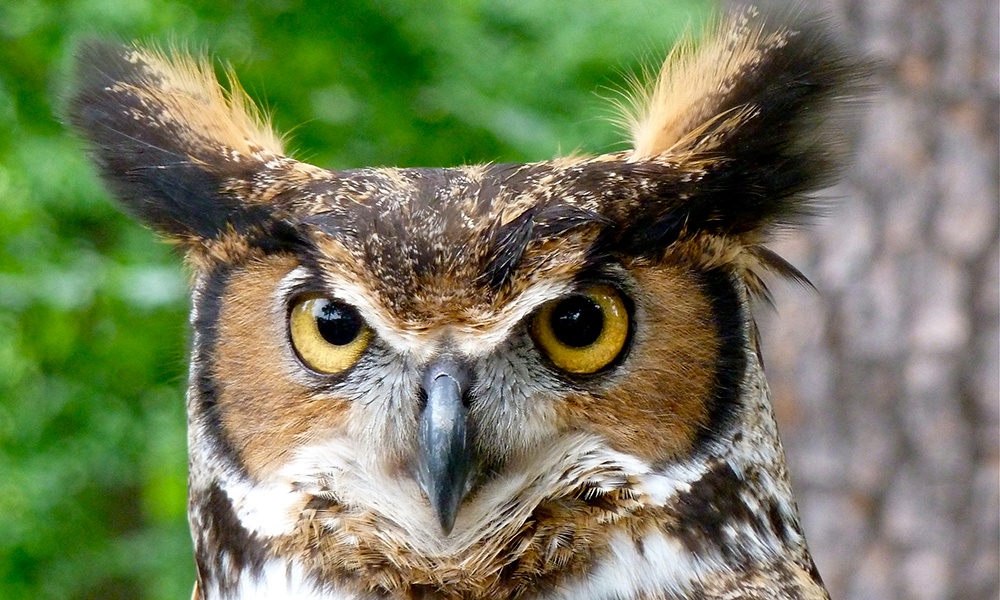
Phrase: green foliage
pixel 92 309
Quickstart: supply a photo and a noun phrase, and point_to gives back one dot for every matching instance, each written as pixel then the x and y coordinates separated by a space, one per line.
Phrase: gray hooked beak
pixel 444 457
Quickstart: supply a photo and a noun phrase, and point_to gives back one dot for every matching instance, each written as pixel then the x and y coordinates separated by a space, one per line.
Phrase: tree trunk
pixel 886 381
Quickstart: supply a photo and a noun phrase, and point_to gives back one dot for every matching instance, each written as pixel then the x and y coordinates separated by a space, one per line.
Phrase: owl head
pixel 486 381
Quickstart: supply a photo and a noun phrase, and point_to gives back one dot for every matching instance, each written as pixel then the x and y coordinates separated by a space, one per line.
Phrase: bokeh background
pixel 886 381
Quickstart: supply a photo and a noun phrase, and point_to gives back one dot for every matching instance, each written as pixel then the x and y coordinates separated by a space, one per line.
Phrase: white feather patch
pixel 339 469
pixel 663 565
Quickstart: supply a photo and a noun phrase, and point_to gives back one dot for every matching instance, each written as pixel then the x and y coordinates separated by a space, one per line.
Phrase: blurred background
pixel 885 381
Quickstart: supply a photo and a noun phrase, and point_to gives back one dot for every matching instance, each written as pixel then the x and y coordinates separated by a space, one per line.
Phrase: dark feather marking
pixel 277 237
pixel 779 266
pixel 509 242
pixel 221 532
pixel 161 181
pixel 508 246
pixel 728 314
pixel 773 263
pixel 713 503
pixel 203 371
pixel 642 205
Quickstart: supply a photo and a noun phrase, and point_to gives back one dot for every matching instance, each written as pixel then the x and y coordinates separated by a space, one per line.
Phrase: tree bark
pixel 886 382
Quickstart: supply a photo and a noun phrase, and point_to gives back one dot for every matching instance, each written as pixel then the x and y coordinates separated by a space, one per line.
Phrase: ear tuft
pixel 754 111
pixel 178 149
pixel 733 136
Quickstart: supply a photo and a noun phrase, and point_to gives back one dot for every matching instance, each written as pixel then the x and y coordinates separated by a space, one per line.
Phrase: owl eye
pixel 582 333
pixel 328 335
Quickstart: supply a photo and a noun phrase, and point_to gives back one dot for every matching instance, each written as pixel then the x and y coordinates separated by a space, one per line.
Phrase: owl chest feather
pixel 656 565
pixel 655 568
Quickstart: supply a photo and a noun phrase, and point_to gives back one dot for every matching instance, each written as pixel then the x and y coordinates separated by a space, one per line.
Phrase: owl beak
pixel 444 459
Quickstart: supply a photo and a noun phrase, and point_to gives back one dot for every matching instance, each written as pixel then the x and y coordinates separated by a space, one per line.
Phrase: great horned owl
pixel 492 381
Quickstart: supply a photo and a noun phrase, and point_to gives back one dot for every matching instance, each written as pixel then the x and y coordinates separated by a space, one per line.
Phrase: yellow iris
pixel 329 335
pixel 585 332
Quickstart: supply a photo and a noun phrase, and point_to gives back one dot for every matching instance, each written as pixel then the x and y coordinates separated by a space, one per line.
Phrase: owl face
pixel 348 333
pixel 393 388
pixel 502 381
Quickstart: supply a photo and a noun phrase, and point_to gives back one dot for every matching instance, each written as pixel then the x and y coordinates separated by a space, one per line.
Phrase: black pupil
pixel 577 321
pixel 338 323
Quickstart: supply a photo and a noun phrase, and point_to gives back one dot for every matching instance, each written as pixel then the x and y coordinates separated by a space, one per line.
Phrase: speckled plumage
pixel 659 476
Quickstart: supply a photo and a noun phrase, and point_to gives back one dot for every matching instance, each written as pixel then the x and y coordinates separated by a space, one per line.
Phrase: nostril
pixel 457 371
pixel 447 367
pixel 467 396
